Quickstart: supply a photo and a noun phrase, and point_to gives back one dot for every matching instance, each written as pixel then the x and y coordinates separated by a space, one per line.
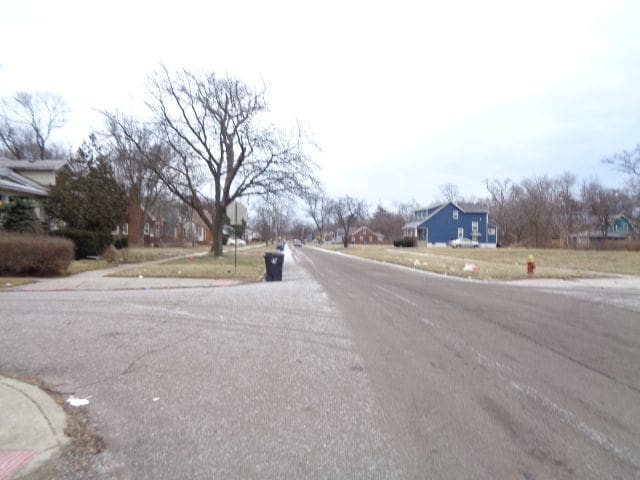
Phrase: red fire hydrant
pixel 531 265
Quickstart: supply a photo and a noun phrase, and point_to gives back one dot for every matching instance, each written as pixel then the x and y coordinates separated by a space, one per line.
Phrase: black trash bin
pixel 273 262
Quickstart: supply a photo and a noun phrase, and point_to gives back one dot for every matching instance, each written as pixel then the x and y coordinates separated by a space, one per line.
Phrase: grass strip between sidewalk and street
pixel 503 263
pixel 133 256
pixel 250 266
pixel 11 282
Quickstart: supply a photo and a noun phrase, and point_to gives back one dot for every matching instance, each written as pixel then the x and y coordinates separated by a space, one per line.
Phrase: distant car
pixel 463 243
pixel 236 241
pixel 297 243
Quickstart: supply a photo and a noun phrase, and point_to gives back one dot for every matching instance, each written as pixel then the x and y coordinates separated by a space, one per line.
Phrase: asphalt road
pixel 480 380
pixel 346 369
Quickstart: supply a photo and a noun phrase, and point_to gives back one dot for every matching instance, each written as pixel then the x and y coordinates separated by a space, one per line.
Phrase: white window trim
pixel 146 228
pixel 474 227
pixel 460 232
pixel 456 215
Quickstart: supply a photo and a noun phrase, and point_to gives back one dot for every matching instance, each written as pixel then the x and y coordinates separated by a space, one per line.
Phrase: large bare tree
pixel 348 211
pixel 318 206
pixel 27 121
pixel 450 192
pixel 140 180
pixel 271 217
pixel 214 143
pixel 600 204
pixel 628 162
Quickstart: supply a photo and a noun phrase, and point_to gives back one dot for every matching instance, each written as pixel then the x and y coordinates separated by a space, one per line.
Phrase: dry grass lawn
pixel 504 263
pixel 133 255
pixel 10 282
pixel 250 266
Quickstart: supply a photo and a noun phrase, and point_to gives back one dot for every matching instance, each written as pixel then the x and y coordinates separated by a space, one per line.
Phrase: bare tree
pixel 140 180
pixel 600 204
pixel 407 210
pixel 500 207
pixel 318 206
pixel 348 211
pixel 450 192
pixel 628 162
pixel 386 222
pixel 272 216
pixel 27 121
pixel 217 138
pixel 300 229
pixel 565 208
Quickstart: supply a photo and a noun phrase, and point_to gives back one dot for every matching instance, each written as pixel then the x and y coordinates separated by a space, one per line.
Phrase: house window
pixel 146 228
pixel 491 231
pixel 125 229
pixel 455 214
pixel 474 227
pixel 460 232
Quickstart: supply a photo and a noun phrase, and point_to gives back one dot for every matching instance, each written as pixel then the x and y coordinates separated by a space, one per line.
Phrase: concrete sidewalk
pixel 32 428
pixel 100 280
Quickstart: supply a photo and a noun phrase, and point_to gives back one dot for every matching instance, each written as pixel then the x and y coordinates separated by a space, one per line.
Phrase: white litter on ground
pixel 155 399
pixel 469 267
pixel 77 402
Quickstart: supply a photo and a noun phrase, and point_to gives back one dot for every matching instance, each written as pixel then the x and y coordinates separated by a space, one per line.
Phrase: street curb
pixel 33 428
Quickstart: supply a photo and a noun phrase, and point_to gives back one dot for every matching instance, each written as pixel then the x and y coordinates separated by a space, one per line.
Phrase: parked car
pixel 236 241
pixel 463 242
pixel 297 243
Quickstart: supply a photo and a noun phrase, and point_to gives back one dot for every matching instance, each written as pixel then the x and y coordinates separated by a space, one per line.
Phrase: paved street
pixel 480 380
pixel 346 369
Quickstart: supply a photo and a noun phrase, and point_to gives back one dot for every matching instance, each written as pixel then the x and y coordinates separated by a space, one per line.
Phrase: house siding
pixel 364 236
pixel 443 227
pixel 446 222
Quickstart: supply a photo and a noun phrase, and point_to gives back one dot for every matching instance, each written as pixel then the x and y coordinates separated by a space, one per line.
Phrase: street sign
pixel 236 212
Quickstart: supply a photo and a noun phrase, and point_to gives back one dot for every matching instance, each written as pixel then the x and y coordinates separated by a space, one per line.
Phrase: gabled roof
pixel 33 165
pixel 16 183
pixel 414 224
pixel 364 227
pixel 470 208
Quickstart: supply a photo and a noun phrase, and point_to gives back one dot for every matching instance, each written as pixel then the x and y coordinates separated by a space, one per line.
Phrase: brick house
pixel 365 236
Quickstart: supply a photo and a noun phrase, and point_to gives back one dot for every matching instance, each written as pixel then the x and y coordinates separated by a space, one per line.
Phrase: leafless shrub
pixel 37 255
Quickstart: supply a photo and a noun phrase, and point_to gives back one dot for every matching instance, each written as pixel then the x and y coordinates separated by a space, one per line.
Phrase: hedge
pixel 87 243
pixel 37 255
pixel 405 242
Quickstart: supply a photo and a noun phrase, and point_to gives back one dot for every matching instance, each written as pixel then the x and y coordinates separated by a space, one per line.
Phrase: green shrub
pixel 37 255
pixel 19 216
pixel 86 243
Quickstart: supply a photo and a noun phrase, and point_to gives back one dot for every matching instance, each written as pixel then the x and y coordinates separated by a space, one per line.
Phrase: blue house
pixel 622 225
pixel 439 224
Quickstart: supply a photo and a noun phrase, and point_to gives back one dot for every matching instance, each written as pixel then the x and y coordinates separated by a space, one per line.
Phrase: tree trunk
pixel 218 230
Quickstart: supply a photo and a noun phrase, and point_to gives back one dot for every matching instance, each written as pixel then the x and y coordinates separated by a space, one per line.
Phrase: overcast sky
pixel 400 96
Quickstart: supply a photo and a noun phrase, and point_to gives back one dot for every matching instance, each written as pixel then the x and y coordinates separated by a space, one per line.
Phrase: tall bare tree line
pixel 543 211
